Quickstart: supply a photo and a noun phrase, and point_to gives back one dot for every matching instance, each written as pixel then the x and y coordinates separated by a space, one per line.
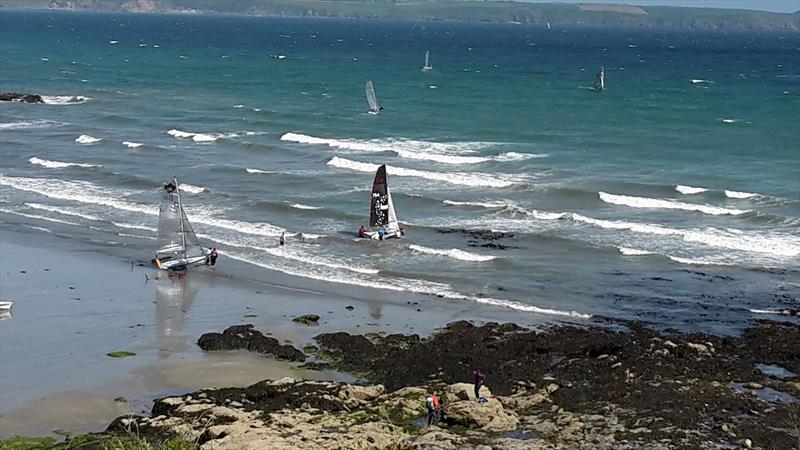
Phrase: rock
pixel 670 344
pixel 699 348
pixel 489 416
pixel 349 307
pixel 465 391
pixel 307 319
pixel 245 337
pixel 753 385
pixel 748 443
pixel 17 97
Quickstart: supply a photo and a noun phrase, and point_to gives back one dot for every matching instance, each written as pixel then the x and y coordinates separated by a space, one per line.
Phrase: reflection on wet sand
pixel 174 297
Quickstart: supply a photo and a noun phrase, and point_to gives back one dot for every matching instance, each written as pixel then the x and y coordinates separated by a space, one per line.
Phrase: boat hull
pixel 389 235
pixel 184 263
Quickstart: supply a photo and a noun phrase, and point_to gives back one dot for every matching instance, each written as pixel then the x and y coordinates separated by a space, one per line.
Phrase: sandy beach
pixel 73 307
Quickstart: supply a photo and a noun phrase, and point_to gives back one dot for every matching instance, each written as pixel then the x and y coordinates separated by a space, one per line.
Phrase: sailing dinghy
pixel 374 106
pixel 178 246
pixel 382 215
pixel 600 81
pixel 427 65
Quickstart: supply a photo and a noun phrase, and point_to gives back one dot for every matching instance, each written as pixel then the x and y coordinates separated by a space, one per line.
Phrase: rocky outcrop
pixel 17 97
pixel 244 337
pixel 307 319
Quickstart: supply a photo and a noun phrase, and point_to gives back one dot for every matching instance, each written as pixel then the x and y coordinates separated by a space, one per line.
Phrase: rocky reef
pixel 17 97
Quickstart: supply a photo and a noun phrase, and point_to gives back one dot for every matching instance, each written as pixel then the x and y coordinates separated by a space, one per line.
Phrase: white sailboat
pixel 382 216
pixel 427 65
pixel 600 81
pixel 372 100
pixel 178 246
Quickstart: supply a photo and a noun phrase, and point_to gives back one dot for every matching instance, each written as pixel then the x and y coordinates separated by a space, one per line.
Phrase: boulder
pixel 488 416
pixel 246 338
pixel 17 97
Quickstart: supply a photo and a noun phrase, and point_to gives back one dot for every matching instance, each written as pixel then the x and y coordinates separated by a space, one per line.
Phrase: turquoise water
pixel 673 197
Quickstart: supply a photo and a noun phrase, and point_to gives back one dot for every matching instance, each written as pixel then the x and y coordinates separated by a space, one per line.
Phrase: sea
pixel 672 197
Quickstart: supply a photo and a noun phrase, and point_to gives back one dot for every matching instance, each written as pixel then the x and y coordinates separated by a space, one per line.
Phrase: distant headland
pixel 609 15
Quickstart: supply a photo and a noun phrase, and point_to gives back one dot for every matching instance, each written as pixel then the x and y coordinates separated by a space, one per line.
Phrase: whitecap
pixel 238 106
pixel 65 99
pixel 29 124
pixel 460 178
pixel 736 194
pixel 689 190
pixel 192 189
pixel 490 204
pixel 700 81
pixel 265 172
pixel 516 156
pixel 725 120
pixel 646 202
pixel 85 139
pixel 302 206
pixel 633 252
pixel 451 253
pixel 130 144
pixel 113 42
pixel 58 164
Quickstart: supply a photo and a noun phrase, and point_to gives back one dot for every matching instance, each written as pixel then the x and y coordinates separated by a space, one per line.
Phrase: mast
pixel 180 212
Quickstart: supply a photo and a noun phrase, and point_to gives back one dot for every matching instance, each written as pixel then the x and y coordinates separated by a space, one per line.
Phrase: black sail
pixel 379 202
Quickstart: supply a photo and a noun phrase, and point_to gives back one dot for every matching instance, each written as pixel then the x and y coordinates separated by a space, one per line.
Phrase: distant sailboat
pixel 374 106
pixel 427 65
pixel 548 25
pixel 382 215
pixel 600 81
pixel 178 246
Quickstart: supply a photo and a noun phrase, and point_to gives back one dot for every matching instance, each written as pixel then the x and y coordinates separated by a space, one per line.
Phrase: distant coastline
pixel 609 15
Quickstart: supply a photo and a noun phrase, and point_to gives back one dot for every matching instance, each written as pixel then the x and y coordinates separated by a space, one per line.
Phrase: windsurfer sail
pixel 427 65
pixel 600 81
pixel 178 246
pixel 374 106
pixel 382 216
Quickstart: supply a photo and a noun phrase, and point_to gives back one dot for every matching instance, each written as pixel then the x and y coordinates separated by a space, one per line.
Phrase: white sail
pixel 600 82
pixel 393 226
pixel 177 242
pixel 374 106
pixel 427 65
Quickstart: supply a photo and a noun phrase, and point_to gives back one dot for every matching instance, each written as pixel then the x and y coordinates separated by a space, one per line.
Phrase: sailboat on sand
pixel 427 65
pixel 382 216
pixel 372 100
pixel 178 246
pixel 600 81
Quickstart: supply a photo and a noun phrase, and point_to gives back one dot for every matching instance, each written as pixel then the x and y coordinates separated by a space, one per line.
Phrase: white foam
pixel 192 189
pixel 58 164
pixel 725 120
pixel 238 106
pixel 735 194
pixel 529 308
pixel 85 139
pixel 62 211
pixel 516 156
pixel 633 252
pixel 700 81
pixel 776 245
pixel 302 206
pixel 695 262
pixel 489 204
pixel 65 99
pixel 29 124
pixel 202 137
pixel 460 178
pixel 130 144
pixel 38 217
pixel 113 42
pixel 451 253
pixel 199 137
pixel 259 171
pixel 768 311
pixel 645 202
pixel 689 190
pixel 441 152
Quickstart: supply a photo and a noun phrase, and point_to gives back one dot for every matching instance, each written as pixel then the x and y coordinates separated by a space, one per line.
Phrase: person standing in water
pixel 362 233
pixel 479 378
pixel 282 240
pixel 213 256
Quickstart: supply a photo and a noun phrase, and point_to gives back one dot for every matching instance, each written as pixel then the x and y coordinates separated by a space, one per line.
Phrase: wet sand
pixel 73 307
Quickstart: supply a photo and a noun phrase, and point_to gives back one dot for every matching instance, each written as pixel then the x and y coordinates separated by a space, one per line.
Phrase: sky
pixel 783 6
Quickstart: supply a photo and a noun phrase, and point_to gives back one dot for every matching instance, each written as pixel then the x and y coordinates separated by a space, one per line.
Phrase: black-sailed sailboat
pixel 382 216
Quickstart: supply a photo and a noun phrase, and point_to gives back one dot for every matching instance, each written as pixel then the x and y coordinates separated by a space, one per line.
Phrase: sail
pixel 379 205
pixel 374 106
pixel 170 236
pixel 176 238
pixel 600 82
pixel 392 225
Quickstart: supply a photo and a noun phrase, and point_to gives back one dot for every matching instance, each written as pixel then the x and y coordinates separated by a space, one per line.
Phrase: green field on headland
pixel 457 10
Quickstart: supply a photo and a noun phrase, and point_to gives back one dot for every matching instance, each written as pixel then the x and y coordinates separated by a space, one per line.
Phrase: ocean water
pixel 673 197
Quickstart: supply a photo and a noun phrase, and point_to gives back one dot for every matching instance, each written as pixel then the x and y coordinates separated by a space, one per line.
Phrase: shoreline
pixel 568 387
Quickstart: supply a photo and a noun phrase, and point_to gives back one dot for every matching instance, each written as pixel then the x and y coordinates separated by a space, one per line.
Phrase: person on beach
pixel 479 378
pixel 362 233
pixel 213 256
pixel 282 240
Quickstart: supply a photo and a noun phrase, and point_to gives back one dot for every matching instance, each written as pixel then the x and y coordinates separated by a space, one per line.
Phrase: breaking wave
pixel 633 252
pixel 441 152
pixel 59 164
pixel 85 139
pixel 460 178
pixel 130 144
pixel 29 124
pixel 65 99
pixel 302 206
pixel 489 205
pixel 192 189
pixel 451 253
pixel 62 211
pixel 689 190
pixel 645 202
pixel 735 194
pixel 199 137
pixel 265 172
